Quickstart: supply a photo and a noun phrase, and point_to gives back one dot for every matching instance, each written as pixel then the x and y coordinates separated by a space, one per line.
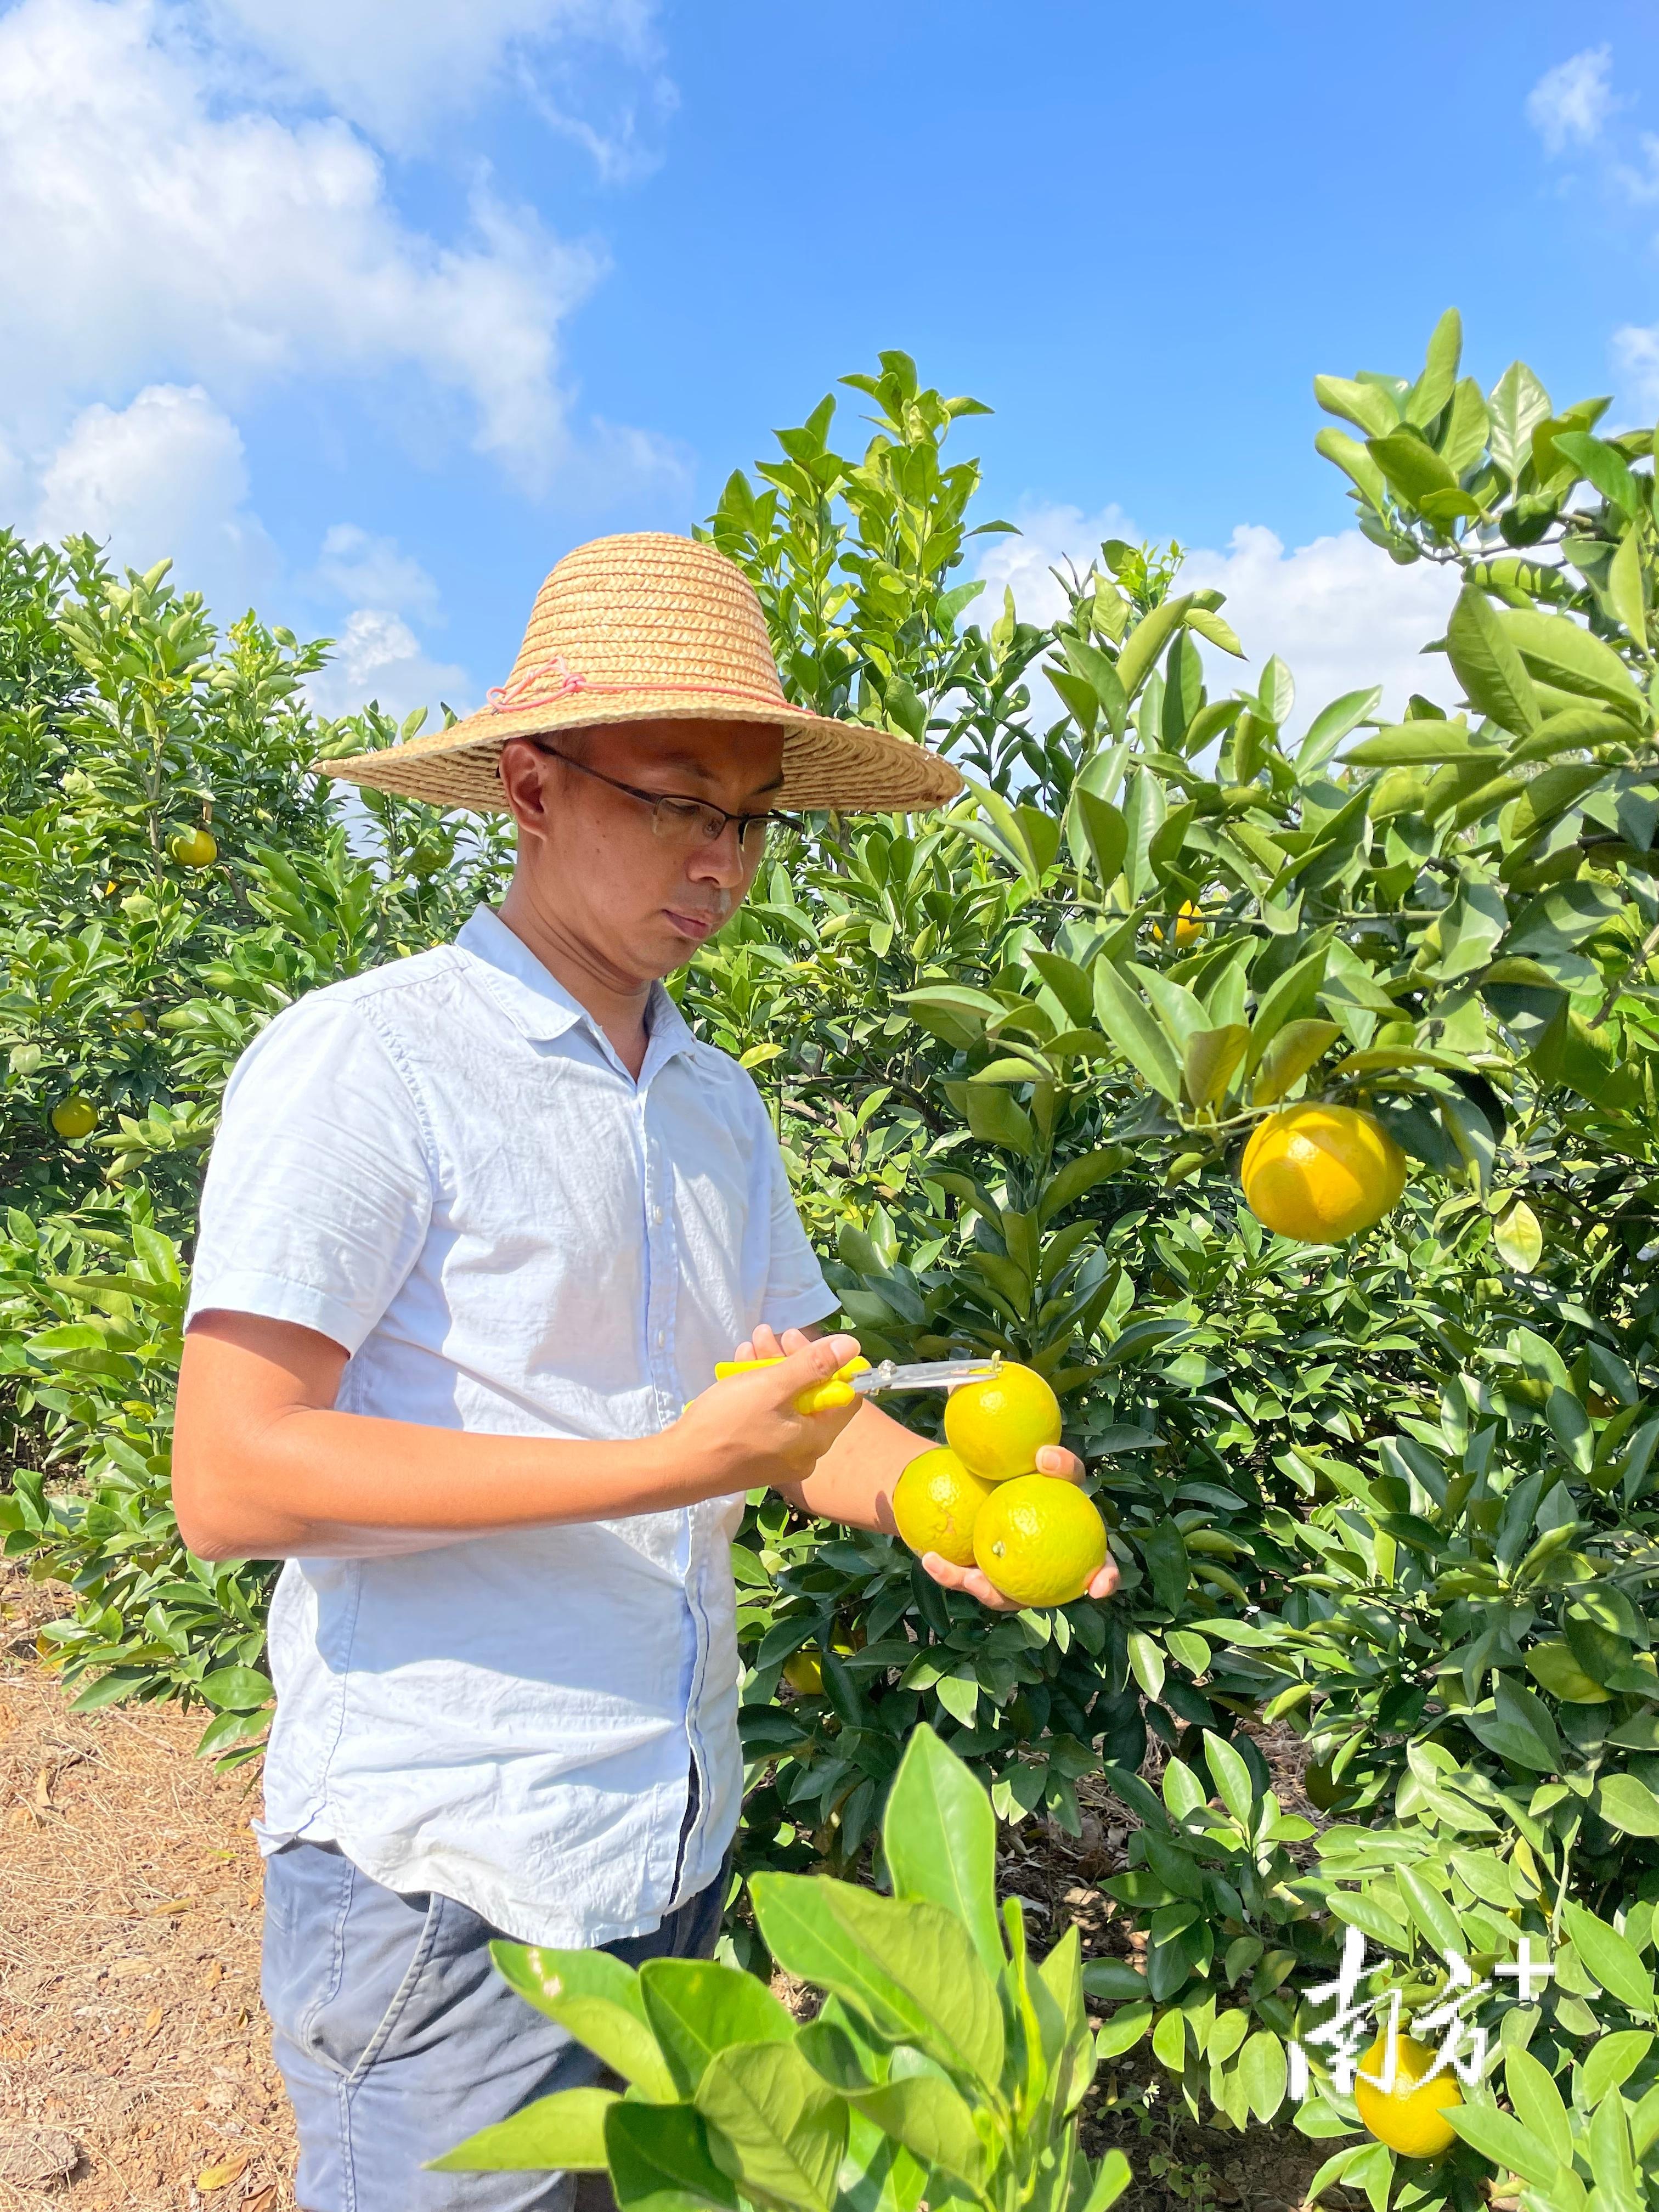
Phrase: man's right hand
pixel 745 1433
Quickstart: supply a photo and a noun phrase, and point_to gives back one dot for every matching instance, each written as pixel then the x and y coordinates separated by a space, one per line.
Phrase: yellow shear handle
pixel 822 1398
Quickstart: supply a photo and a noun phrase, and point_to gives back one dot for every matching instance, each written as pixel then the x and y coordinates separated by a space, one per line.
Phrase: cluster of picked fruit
pixel 978 1500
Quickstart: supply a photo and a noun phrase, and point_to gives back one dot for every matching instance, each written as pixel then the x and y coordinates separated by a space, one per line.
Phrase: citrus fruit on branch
pixel 997 1427
pixel 935 1501
pixel 194 849
pixel 1321 1174
pixel 74 1118
pixel 1410 2116
pixel 1039 1540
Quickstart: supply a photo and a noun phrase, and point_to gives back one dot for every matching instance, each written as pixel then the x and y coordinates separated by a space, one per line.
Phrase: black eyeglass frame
pixel 656 800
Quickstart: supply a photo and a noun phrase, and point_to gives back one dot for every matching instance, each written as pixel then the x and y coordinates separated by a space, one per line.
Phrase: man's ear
pixel 523 773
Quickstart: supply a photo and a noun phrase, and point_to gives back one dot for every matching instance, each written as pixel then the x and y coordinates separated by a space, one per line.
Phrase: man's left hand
pixel 1054 1460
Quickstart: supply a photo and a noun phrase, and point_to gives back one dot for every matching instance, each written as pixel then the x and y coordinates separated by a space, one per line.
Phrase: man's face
pixel 641 891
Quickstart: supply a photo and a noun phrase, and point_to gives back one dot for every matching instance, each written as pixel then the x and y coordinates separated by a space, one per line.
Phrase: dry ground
pixel 135 2066
pixel 135 2069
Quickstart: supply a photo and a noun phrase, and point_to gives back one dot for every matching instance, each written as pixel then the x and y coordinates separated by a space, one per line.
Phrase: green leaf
pixel 1129 1023
pixel 1356 463
pixel 1126 2027
pixel 1519 1237
pixel 1519 404
pixel 1111 2178
pixel 1232 1778
pixel 565 2131
pixel 1502 2138
pixel 661 2161
pixel 1628 1805
pixel 237 1689
pixel 931 2120
pixel 1263 2068
pixel 1290 999
pixel 1108 834
pixel 1366 405
pixel 1210 1061
pixel 1412 466
pixel 1419 744
pixel 1434 388
pixel 1431 1911
pixel 909 1967
pixel 696 2008
pixel 1625 593
pixel 1611 2064
pixel 1600 465
pixel 1615 1963
pixel 1332 724
pixel 1562 652
pixel 1293 1051
pixel 776 2127
pixel 1489 665
pixel 598 1999
pixel 1147 640
pixel 939 1836
pixel 1533 2091
pixel 1165 1550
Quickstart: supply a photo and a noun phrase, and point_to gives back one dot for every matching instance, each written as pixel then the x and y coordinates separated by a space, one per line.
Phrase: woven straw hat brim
pixel 826 763
pixel 648 627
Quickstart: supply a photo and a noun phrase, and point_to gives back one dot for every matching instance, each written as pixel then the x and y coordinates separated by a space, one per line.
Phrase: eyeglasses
pixel 685 821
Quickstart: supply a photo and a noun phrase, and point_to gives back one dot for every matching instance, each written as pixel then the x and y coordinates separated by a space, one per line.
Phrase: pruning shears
pixel 859 1379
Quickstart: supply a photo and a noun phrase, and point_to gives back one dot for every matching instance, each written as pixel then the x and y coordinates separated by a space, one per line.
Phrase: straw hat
pixel 648 628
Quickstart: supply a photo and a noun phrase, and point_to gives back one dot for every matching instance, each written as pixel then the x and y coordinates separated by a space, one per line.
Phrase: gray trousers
pixel 398 2040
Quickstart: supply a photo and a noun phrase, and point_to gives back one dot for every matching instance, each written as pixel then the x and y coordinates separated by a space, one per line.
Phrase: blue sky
pixel 369 309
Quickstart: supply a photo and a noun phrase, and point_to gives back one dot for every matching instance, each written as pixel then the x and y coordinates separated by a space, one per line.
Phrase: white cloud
pixel 1338 612
pixel 1635 350
pixel 399 67
pixel 146 232
pixel 165 476
pixel 363 570
pixel 378 657
pixel 1569 103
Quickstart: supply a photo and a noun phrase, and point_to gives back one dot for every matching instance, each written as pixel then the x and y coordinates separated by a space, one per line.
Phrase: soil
pixel 135 2061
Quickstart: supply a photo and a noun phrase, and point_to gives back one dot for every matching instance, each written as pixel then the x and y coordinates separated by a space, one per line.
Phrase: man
pixel 476 1229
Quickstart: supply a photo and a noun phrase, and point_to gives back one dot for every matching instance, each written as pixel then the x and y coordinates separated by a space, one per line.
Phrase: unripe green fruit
pixel 194 849
pixel 74 1118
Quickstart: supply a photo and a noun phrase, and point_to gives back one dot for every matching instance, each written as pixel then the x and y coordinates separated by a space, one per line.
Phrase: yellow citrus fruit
pixel 1409 2119
pixel 75 1118
pixel 1321 1173
pixel 132 1019
pixel 935 1501
pixel 996 1428
pixel 1039 1540
pixel 1189 928
pixel 804 1672
pixel 194 849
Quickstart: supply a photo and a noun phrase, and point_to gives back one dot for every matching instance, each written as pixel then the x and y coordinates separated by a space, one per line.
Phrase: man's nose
pixel 721 860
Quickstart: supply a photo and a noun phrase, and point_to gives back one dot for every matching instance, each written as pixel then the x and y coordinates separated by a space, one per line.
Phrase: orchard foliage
pixel 1400 1493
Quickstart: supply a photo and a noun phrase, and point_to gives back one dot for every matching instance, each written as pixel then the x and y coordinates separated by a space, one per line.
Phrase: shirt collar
pixel 537 1003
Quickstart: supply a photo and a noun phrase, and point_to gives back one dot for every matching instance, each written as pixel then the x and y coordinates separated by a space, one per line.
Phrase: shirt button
pixel 659 1339
pixel 656 1214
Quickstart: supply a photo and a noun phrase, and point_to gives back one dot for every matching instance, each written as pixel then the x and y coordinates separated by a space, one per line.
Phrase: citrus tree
pixel 172 877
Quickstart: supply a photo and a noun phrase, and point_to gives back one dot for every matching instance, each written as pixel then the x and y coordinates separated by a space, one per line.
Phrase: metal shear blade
pixel 924 1375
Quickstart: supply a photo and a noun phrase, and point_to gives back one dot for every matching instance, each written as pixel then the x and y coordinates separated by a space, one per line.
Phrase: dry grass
pixel 133 2050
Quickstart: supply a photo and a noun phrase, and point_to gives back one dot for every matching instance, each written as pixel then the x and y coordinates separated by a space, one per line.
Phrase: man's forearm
pixel 263 1467
pixel 853 1483
pixel 342 1485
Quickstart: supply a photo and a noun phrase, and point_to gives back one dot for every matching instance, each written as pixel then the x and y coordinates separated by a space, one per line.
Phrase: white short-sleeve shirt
pixel 443 1165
